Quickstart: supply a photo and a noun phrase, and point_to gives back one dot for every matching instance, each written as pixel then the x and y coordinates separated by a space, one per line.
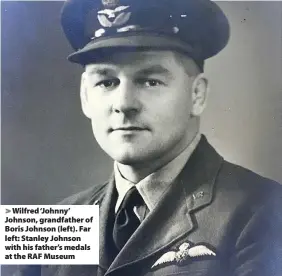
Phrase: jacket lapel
pixel 107 251
pixel 161 230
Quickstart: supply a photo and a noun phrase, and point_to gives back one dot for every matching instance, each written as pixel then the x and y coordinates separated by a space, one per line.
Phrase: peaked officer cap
pixel 197 28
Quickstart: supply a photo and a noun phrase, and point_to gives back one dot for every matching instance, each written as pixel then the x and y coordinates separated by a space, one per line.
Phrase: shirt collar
pixel 153 186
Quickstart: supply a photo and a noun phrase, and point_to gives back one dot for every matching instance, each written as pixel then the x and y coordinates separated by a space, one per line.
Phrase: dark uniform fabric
pixel 230 210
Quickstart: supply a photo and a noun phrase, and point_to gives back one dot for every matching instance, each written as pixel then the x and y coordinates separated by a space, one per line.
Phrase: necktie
pixel 126 221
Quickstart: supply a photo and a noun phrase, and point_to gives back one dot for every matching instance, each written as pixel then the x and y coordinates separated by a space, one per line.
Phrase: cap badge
pixel 114 17
pixel 128 28
pixel 99 33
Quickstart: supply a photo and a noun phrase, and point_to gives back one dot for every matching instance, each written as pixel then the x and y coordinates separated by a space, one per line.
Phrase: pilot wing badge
pixel 185 252
pixel 114 17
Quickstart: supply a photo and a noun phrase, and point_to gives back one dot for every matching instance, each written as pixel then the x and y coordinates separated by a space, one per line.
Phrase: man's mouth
pixel 129 128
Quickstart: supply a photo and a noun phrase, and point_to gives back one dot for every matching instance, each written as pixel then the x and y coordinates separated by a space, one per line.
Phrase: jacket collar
pixel 107 251
pixel 192 190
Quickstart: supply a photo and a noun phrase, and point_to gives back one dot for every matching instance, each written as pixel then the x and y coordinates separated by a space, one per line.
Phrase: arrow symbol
pixel 8 211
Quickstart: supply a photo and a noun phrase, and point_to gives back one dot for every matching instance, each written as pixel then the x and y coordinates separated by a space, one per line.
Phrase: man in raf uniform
pixel 173 206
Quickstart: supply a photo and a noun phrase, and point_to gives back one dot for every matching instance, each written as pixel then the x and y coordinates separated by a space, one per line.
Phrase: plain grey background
pixel 48 151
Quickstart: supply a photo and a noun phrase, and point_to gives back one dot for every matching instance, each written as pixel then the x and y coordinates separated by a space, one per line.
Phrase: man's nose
pixel 126 99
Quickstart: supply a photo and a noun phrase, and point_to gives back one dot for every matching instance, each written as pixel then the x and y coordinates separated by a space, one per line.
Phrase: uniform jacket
pixel 230 210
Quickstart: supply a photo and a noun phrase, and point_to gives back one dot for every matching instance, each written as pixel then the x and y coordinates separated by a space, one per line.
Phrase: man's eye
pixel 152 82
pixel 108 83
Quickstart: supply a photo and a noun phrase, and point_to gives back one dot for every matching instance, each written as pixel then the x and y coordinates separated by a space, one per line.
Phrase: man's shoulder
pixel 85 197
pixel 240 174
pixel 246 184
pixel 230 178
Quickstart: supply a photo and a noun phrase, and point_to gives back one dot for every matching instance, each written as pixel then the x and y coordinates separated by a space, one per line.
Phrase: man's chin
pixel 130 159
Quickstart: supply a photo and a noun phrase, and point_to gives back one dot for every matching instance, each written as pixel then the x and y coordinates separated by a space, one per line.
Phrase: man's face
pixel 140 105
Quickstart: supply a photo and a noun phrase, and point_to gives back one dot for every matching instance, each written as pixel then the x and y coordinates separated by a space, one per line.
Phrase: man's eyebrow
pixel 154 69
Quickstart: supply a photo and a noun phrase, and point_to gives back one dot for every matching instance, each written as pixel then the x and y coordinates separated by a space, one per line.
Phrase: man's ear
pixel 200 90
pixel 84 95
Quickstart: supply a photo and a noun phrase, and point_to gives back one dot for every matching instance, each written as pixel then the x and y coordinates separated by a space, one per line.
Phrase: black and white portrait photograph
pixel 167 114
